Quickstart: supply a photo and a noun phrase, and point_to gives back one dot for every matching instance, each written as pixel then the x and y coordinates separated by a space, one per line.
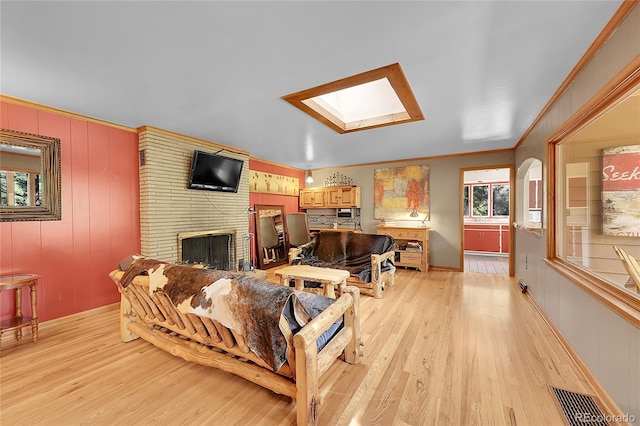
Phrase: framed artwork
pixel 401 193
pixel 270 183
pixel 621 191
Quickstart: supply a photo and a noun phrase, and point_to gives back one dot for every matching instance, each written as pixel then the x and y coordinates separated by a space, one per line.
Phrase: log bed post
pixel 127 315
pixel 352 319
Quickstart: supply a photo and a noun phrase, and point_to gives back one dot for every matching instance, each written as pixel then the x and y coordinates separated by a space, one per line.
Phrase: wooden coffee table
pixel 329 278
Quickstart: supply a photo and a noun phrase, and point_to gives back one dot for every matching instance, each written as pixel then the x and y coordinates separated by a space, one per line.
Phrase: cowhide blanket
pixel 250 306
pixel 350 251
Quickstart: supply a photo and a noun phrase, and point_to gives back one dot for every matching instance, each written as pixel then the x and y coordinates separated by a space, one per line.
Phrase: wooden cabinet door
pixel 334 197
pixel 306 198
pixel 342 197
pixel 486 238
pixel 311 197
pixel 473 240
pixel 491 239
pixel 318 197
pixel 350 196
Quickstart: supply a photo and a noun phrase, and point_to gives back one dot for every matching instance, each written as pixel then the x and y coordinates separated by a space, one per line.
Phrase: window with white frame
pixel 484 200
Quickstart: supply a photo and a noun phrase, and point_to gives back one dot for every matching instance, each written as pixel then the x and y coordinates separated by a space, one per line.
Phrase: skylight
pixel 381 97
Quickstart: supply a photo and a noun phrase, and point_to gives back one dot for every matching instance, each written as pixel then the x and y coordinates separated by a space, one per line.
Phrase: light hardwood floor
pixel 441 348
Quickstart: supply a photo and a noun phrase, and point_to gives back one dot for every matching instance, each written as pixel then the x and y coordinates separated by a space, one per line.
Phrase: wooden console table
pixel 329 278
pixel 17 283
pixel 403 235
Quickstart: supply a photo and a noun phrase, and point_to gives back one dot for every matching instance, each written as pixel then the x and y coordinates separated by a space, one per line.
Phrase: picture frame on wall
pixel 402 193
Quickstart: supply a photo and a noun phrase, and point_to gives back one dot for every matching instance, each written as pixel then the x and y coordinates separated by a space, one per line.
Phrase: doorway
pixel 487 204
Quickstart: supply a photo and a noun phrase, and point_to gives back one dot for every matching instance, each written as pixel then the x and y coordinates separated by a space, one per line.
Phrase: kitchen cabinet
pixel 312 198
pixel 412 245
pixel 331 197
pixel 343 197
pixel 486 238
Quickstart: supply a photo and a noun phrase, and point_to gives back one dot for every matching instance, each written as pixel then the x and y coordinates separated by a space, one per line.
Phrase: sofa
pixel 368 258
pixel 272 335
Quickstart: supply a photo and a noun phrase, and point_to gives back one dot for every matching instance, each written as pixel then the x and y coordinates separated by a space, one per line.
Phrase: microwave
pixel 350 213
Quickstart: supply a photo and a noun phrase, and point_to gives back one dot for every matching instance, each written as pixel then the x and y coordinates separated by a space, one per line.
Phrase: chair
pixel 632 267
pixel 298 227
pixel 269 236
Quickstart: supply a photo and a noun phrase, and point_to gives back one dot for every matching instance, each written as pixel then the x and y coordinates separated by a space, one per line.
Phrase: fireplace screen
pixel 216 251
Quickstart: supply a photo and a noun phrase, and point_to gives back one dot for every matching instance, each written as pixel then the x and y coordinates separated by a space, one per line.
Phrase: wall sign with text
pixel 621 191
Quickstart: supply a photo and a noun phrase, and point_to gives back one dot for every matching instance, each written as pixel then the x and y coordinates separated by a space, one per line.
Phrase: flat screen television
pixel 213 172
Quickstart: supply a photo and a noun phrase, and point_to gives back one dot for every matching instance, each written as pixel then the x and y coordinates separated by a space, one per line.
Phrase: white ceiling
pixel 481 71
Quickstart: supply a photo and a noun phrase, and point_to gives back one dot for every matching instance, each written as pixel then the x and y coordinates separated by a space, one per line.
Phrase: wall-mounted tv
pixel 213 172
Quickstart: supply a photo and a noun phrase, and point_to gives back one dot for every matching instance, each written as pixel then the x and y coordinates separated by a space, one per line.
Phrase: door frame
pixel 512 207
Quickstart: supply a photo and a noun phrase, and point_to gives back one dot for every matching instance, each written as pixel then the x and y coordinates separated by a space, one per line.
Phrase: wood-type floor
pixel 441 348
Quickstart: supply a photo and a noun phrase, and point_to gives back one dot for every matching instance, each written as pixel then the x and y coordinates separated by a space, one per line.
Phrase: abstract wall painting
pixel 402 193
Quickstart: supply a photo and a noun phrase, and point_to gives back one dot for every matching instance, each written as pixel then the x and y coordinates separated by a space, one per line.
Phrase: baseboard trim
pixel 443 268
pixel 610 405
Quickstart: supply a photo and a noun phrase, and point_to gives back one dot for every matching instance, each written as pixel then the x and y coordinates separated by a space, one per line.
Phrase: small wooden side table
pixel 329 278
pixel 17 283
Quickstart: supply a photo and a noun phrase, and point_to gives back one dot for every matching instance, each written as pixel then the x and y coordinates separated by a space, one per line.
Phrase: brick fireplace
pixel 168 208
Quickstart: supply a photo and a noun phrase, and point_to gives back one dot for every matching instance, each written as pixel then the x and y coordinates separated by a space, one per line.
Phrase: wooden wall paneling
pixel 57 236
pixel 100 211
pixel 25 237
pixel 75 254
pixel 6 256
pixel 124 187
pixel 27 257
pixel 4 115
pixel 22 119
pixel 81 214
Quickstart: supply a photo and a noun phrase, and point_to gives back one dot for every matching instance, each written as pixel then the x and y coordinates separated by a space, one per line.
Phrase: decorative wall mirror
pixel 530 194
pixel 271 230
pixel 30 180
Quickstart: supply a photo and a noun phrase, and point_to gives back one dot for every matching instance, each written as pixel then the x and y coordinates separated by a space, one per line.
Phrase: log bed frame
pixel 155 319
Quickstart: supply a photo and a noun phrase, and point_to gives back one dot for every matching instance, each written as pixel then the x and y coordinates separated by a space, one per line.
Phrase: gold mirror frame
pixel 51 197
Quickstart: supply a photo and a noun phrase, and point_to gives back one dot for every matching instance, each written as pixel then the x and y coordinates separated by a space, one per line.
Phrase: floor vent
pixel 580 409
pixel 522 285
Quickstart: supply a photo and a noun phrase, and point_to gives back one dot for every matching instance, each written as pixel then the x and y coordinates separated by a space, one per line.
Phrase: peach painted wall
pixel 100 214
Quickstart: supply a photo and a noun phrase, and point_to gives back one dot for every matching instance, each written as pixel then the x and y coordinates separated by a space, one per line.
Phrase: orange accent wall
pixel 100 216
pixel 290 203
